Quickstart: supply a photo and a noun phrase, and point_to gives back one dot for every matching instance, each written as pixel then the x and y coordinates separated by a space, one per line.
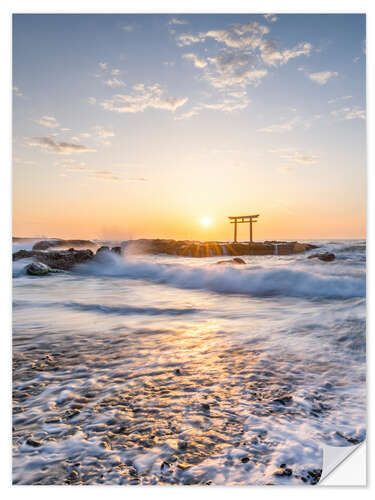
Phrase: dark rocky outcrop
pixel 235 260
pixel 62 259
pixel 116 250
pixel 325 257
pixel 102 249
pixel 58 243
pixel 214 248
pixel 45 252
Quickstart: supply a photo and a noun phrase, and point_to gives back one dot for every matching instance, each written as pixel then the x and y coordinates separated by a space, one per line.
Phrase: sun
pixel 206 221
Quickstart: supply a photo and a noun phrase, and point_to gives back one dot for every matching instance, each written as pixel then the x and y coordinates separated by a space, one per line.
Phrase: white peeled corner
pixel 344 465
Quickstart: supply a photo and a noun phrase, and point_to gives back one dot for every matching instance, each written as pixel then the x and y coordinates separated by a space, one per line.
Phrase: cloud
pixel 48 121
pixel 229 102
pixel 197 61
pixel 17 92
pixel 63 148
pixel 92 100
pixel 188 39
pixel 286 126
pixel 337 99
pixel 272 56
pixel 297 157
pixel 103 65
pixel 244 55
pixel 177 21
pixel 114 82
pixel 71 165
pixel 128 27
pixel 103 134
pixel 233 68
pixel 322 77
pixel 350 113
pixel 271 18
pixel 188 114
pixel 239 35
pixel 142 98
pixel 300 158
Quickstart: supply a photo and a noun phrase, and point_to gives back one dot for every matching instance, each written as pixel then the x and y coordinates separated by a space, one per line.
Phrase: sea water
pixel 173 370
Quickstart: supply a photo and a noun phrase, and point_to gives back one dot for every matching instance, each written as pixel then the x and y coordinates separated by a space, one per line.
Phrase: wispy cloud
pixel 63 148
pixel 285 126
pixel 114 82
pixel 17 92
pixel 142 98
pixel 177 21
pixel 197 61
pixel 295 156
pixel 92 100
pixel 271 18
pixel 128 27
pixel 103 134
pixel 337 99
pixel 300 158
pixel 189 114
pixel 322 77
pixel 273 56
pixel 71 165
pixel 47 121
pixel 350 113
pixel 103 65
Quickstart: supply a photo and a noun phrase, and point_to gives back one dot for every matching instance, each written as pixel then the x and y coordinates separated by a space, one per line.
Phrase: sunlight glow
pixel 206 221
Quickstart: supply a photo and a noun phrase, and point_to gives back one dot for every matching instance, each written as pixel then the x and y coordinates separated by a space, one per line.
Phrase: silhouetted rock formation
pixel 62 259
pixel 44 251
pixel 214 248
pixel 325 257
pixel 57 243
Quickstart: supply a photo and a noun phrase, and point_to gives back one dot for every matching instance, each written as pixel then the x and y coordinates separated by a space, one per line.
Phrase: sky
pixel 146 126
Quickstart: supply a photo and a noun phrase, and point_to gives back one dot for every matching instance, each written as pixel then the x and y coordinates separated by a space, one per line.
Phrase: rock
pixel 32 442
pixel 72 477
pixel 283 472
pixel 245 460
pixel 116 250
pixel 52 420
pixel 177 371
pixel 325 257
pixel 37 269
pixel 59 259
pixel 183 466
pixel 314 475
pixel 102 249
pixel 284 400
pixel 205 406
pixel 58 243
pixel 182 445
pixel 235 260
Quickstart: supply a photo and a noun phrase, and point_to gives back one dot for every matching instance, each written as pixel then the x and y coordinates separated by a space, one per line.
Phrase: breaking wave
pixel 255 281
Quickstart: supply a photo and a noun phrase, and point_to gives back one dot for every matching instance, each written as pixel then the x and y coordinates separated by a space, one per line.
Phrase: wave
pixel 123 310
pixel 256 281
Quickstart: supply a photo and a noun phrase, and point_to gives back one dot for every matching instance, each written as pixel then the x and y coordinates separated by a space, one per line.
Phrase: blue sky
pixel 139 125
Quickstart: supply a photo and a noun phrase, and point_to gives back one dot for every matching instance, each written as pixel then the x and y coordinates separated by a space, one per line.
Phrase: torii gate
pixel 239 219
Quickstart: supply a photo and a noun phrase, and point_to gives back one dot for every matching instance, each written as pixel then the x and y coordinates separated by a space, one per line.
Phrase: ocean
pixel 160 369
